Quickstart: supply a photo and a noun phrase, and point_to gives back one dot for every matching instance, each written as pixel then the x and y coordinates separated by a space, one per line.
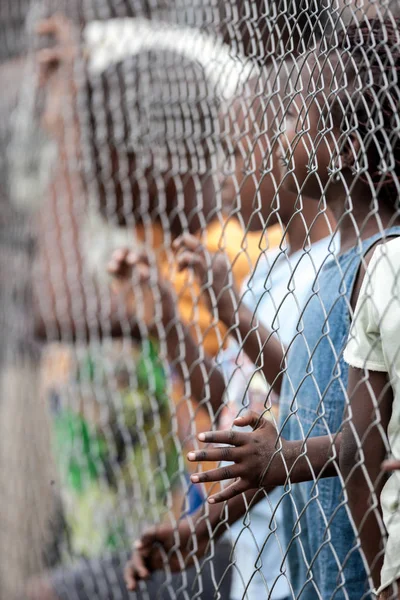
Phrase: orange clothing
pixel 243 250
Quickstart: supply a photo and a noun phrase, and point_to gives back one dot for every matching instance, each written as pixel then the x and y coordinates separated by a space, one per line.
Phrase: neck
pixel 357 218
pixel 309 226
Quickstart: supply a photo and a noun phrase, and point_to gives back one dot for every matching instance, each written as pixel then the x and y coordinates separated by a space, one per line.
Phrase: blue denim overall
pixel 322 549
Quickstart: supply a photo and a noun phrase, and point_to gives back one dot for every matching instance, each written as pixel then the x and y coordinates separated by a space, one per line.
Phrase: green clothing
pixel 115 451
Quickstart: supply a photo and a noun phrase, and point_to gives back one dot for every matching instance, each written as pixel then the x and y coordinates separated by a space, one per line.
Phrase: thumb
pixel 149 537
pixel 250 419
pixel 190 260
pixel 391 465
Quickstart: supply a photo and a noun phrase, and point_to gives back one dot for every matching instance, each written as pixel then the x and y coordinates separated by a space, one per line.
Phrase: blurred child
pixel 373 353
pixel 259 562
pixel 328 152
pixel 146 155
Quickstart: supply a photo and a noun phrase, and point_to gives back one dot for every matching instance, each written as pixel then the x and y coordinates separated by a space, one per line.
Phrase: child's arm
pixel 370 399
pixel 215 275
pixel 68 302
pixel 391 465
pixel 58 79
pixel 131 270
pixel 179 546
pixel 362 451
pixel 263 458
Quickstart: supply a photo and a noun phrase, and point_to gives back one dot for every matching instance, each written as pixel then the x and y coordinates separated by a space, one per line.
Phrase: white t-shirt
pixel 374 344
pixel 276 292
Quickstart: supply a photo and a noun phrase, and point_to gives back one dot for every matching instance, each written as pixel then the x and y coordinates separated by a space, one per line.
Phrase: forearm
pixel 96 319
pixel 215 520
pixel 69 305
pixel 261 345
pixel 316 457
pixel 205 381
pixel 362 451
pixel 364 483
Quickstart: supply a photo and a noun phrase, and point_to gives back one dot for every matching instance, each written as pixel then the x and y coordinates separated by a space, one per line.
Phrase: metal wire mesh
pixel 199 219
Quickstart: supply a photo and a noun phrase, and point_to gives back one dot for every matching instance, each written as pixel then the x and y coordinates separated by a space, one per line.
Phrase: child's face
pixel 252 184
pixel 308 144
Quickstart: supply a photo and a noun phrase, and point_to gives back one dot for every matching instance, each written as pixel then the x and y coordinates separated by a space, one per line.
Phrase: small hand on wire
pixel 256 457
pixel 132 280
pixel 56 72
pixel 122 265
pixel 213 271
pixel 165 545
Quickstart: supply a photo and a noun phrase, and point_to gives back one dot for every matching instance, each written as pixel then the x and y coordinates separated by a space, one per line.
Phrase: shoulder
pixel 381 261
pixel 391 248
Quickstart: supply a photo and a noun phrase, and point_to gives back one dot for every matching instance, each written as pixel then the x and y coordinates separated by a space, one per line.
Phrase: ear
pixel 350 152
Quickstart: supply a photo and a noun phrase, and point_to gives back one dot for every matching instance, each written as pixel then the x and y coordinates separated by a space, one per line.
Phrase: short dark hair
pixel 156 105
pixel 370 53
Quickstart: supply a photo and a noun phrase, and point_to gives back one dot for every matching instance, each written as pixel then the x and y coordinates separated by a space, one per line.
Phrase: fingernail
pixel 201 437
pixel 195 479
pixel 191 456
pixel 138 544
pixel 211 501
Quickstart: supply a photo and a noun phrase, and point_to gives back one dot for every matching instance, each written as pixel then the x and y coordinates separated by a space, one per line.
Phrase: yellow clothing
pixel 243 250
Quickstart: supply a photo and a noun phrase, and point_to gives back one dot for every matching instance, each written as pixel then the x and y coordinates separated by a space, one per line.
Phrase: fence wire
pixel 199 300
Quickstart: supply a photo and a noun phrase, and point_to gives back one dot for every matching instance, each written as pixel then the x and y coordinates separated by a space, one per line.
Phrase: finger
pixel 188 242
pixel 48 61
pixel 120 254
pixel 119 269
pixel 234 489
pixel 133 258
pixel 225 453
pixel 149 537
pixel 190 260
pixel 129 577
pixel 250 419
pixel 47 26
pixel 141 274
pixel 140 567
pixel 391 465
pixel 229 436
pixel 57 25
pixel 220 474
pixel 113 267
pixel 134 570
pixel 49 56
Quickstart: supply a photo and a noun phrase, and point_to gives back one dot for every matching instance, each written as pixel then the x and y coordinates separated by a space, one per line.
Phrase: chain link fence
pixel 199 320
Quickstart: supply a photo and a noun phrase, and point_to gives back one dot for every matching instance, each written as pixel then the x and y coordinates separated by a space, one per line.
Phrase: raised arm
pixel 215 275
pixel 69 303
pixel 133 270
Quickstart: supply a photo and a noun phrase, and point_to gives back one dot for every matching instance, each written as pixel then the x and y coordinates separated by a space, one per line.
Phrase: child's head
pixel 150 137
pixel 341 131
pixel 251 175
